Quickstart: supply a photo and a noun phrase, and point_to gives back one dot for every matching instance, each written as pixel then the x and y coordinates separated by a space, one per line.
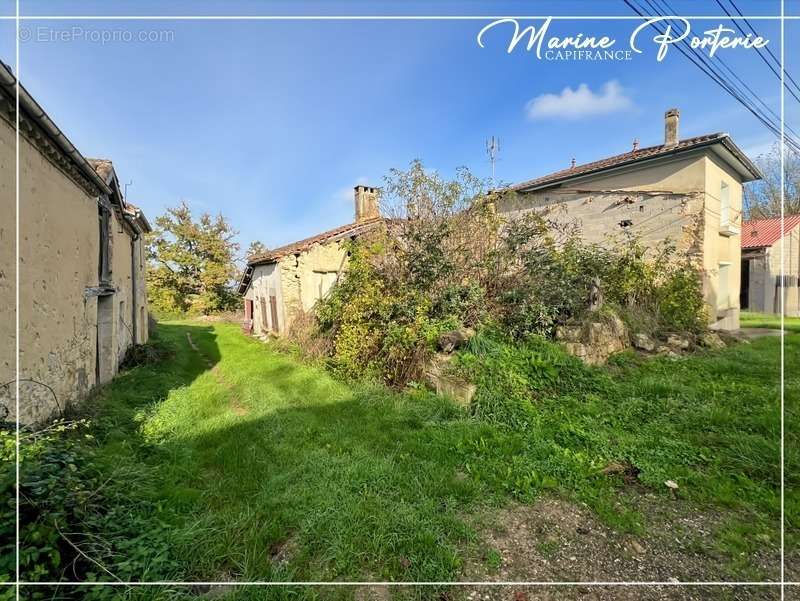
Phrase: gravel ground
pixel 559 541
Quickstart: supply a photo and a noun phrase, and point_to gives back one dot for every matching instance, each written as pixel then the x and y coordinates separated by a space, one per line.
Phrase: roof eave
pixel 8 82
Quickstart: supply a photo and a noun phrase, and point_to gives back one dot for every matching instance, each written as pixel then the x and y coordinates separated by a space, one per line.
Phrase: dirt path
pixel 233 395
pixel 559 541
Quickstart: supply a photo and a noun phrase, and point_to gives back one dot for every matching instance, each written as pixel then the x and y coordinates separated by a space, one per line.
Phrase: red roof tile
pixel 766 232
pixel 635 156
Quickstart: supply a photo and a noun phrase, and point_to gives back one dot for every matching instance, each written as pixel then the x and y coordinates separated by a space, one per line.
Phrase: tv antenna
pixel 492 148
pixel 125 191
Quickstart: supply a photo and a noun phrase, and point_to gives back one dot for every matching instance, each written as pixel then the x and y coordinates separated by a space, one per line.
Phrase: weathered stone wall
pixel 307 277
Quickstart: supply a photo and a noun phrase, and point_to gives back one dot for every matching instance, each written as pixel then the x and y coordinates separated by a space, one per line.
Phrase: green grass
pixel 264 468
pixel 768 320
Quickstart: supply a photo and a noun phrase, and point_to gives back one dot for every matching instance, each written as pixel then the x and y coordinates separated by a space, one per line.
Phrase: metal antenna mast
pixel 125 192
pixel 492 148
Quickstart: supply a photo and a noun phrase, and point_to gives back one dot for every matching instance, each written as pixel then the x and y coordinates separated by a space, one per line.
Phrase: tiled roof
pixel 766 232
pixel 344 231
pixel 635 156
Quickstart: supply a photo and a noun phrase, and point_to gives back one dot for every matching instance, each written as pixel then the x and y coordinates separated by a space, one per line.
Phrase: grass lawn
pixel 767 320
pixel 255 466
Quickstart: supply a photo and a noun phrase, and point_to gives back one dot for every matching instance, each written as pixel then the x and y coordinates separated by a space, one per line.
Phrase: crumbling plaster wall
pixel 58 260
pixel 59 253
pixel 660 202
pixel 675 199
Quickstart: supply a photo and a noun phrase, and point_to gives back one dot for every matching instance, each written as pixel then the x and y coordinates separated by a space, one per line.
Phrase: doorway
pixel 744 289
pixel 104 363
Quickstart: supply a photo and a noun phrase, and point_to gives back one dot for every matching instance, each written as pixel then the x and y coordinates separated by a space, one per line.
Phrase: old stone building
pixel 81 264
pixel 763 245
pixel 280 283
pixel 688 191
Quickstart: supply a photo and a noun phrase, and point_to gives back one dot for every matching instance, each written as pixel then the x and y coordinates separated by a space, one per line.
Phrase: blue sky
pixel 273 122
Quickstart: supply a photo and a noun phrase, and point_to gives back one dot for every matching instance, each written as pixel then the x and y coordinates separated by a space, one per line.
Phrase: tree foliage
pixel 256 247
pixel 192 263
pixel 762 198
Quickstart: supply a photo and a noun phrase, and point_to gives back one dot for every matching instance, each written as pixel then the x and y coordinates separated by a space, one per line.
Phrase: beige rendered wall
pixel 59 249
pixel 140 258
pixel 8 174
pixel 676 199
pixel 58 252
pixel 720 248
pixel 121 276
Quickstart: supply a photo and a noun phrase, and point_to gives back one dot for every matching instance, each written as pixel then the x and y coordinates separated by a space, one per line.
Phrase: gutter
pixel 27 104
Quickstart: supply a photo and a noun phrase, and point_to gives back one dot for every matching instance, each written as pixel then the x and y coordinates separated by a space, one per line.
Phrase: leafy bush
pixel 376 333
pixel 74 524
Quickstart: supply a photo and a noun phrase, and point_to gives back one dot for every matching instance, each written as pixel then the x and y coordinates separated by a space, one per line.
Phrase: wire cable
pixel 759 50
pixel 718 79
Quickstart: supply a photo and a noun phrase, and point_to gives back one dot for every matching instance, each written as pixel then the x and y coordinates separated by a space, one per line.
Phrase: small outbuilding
pixel 764 241
pixel 281 283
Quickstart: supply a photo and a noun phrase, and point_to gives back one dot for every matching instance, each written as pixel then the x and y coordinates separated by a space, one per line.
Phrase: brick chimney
pixel 671 118
pixel 366 199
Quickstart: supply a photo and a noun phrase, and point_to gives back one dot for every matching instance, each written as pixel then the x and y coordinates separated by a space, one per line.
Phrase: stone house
pixel 81 264
pixel 283 282
pixel 688 191
pixel 763 243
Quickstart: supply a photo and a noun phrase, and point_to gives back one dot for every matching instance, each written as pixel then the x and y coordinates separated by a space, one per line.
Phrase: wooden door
pixel 263 306
pixel 273 308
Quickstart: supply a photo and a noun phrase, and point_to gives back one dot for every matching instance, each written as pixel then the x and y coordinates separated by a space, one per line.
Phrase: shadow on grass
pixel 147 385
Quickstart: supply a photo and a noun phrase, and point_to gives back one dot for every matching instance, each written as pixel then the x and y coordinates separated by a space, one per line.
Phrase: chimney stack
pixel 671 118
pixel 366 199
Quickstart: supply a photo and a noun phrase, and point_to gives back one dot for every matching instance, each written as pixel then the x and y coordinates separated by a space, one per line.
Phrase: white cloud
pixel 346 194
pixel 578 103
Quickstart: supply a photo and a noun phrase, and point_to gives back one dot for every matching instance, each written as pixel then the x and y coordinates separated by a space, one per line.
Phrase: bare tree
pixel 762 198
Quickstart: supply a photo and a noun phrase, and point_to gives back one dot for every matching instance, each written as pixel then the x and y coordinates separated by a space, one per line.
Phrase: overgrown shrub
pixel 446 260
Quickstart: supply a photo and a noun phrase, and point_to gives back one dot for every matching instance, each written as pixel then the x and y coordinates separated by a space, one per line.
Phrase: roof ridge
pixel 619 160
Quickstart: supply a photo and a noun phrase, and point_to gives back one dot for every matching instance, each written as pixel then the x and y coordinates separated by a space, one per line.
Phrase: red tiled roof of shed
pixel 766 232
